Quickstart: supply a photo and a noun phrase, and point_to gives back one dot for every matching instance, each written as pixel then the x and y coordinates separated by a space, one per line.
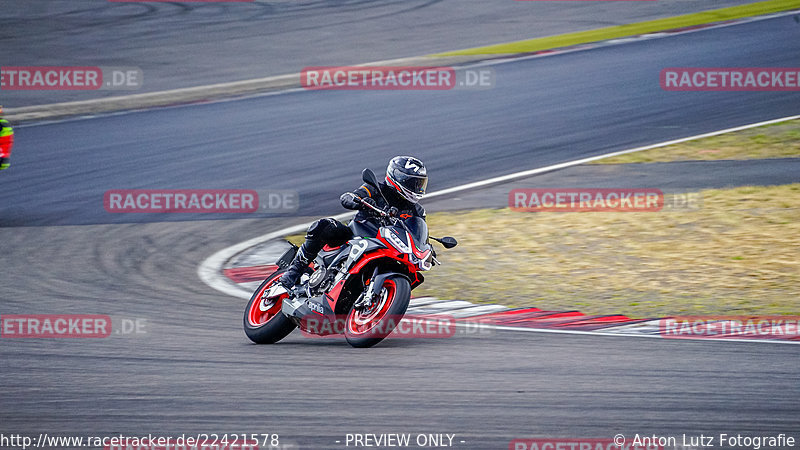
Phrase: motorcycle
pixel 361 289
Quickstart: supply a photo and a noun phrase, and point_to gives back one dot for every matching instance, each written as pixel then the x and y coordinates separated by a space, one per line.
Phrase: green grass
pixel 737 254
pixel 781 140
pixel 651 26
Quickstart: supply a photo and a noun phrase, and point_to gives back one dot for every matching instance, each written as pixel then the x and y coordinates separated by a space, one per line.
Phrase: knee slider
pixel 316 229
pixel 320 229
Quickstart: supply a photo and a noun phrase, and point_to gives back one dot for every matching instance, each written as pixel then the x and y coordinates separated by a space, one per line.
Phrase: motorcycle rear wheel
pixel 264 323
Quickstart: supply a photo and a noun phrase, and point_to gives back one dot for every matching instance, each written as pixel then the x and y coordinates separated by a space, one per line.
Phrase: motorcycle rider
pixel 6 141
pixel 403 187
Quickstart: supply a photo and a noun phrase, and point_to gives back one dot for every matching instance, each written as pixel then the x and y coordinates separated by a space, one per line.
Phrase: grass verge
pixel 735 255
pixel 651 26
pixel 780 140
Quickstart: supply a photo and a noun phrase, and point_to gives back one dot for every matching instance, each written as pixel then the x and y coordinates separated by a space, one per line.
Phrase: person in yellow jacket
pixel 6 141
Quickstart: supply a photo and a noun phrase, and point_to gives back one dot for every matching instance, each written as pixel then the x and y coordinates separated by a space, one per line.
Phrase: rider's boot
pixel 319 232
pixel 299 265
pixel 293 273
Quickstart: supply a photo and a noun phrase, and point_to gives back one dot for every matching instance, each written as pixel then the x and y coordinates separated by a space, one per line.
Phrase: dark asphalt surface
pixel 193 370
pixel 541 112
pixel 180 44
pixel 671 178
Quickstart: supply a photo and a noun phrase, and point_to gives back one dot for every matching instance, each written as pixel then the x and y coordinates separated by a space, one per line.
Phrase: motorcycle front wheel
pixel 368 327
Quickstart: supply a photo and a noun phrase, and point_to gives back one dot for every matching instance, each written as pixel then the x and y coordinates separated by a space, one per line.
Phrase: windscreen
pixel 419 231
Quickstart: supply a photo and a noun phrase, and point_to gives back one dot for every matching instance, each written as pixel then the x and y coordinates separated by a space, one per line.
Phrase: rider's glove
pixel 368 201
pixel 393 212
pixel 350 201
pixel 4 163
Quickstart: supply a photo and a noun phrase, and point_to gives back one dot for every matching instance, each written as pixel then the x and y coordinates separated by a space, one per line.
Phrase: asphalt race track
pixel 180 44
pixel 191 369
pixel 542 111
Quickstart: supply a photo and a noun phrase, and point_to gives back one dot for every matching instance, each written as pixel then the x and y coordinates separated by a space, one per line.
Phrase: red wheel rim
pixel 261 310
pixel 362 322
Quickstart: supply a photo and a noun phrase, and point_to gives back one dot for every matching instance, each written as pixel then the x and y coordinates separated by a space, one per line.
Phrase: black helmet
pixel 408 176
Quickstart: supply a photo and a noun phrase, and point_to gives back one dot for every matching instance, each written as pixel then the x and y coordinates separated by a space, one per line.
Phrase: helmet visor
pixel 414 184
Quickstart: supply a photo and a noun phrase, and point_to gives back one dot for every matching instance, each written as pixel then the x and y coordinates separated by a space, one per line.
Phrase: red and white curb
pixel 498 317
pixel 237 271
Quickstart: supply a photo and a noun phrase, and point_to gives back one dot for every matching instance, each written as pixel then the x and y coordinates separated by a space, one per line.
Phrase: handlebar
pixel 374 208
pixel 384 214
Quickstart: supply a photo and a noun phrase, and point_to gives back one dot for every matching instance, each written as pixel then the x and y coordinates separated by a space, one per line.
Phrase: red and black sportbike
pixel 360 289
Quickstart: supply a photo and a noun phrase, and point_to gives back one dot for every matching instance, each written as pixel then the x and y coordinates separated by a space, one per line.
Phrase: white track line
pixel 228 95
pixel 421 301
pixel 657 336
pixel 210 270
pixel 576 162
pixel 461 313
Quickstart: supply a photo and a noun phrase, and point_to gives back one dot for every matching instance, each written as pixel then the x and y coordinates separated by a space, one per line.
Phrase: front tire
pixel 264 323
pixel 366 328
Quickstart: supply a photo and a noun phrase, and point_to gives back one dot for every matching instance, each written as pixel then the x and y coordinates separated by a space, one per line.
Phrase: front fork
pixel 367 298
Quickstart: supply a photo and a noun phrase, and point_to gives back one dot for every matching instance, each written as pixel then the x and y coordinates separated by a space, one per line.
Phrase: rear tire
pixel 266 325
pixel 365 329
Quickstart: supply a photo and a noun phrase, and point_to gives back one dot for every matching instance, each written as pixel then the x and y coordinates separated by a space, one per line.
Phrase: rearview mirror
pixel 369 177
pixel 448 242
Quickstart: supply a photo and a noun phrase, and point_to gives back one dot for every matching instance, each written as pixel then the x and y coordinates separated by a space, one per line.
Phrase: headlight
pixel 427 263
pixel 395 240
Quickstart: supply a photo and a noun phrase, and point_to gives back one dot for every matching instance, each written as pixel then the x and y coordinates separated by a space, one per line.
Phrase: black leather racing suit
pixel 365 215
pixel 333 233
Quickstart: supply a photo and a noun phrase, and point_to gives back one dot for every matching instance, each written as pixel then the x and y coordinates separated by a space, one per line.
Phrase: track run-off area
pixel 189 369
